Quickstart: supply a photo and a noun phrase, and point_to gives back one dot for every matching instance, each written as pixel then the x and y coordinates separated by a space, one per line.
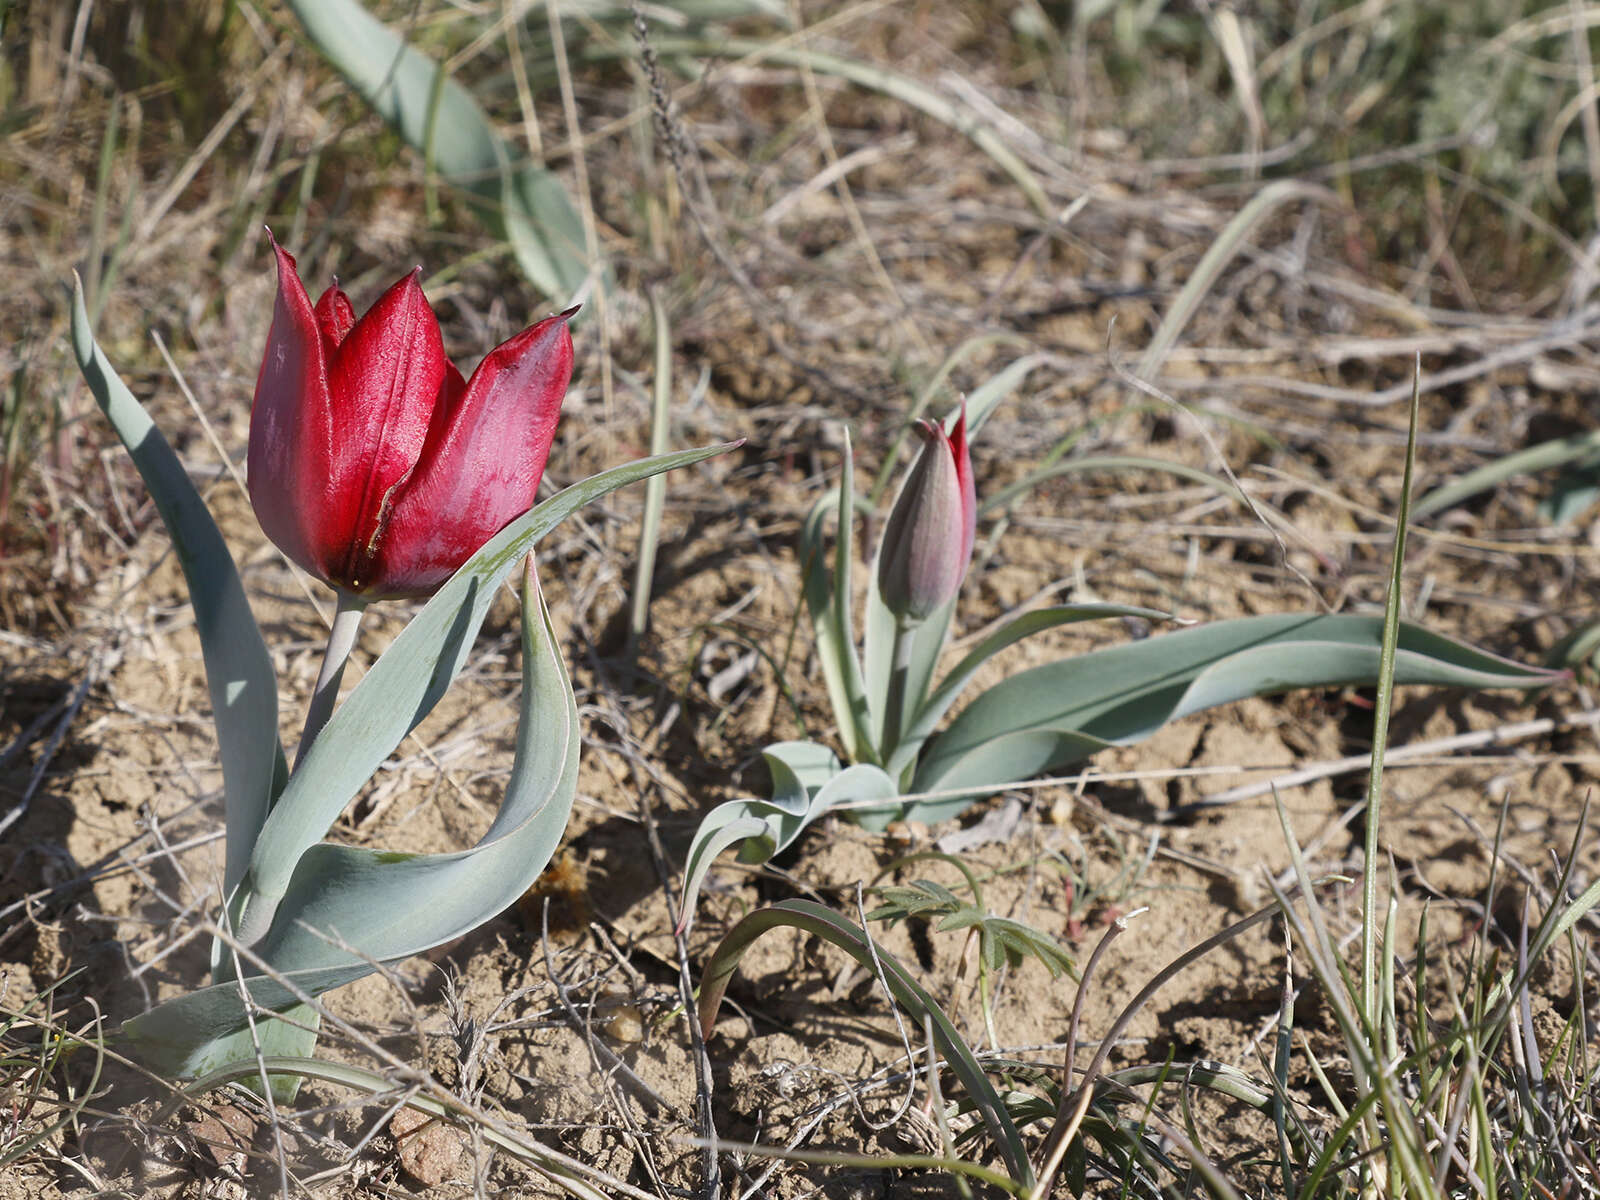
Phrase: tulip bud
pixel 373 464
pixel 927 543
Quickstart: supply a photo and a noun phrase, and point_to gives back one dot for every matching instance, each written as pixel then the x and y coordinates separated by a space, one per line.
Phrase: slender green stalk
pixel 1380 728
pixel 1387 1121
pixel 899 675
pixel 986 1000
pixel 341 639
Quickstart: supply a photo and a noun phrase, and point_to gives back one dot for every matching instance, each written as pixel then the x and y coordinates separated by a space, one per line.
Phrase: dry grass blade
pixel 1230 242
pixel 573 1176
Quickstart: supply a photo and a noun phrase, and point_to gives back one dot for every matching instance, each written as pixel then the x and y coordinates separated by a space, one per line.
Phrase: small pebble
pixel 428 1148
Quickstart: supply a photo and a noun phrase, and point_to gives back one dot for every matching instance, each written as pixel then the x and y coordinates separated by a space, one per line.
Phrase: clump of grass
pixel 1001 941
pixel 1434 119
pixel 37 1102
pixel 1449 1088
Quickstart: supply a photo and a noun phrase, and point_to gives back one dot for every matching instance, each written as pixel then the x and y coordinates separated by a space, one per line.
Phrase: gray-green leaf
pixel 950 687
pixel 347 906
pixel 1059 713
pixel 807 782
pixel 405 684
pixel 828 598
pixel 244 692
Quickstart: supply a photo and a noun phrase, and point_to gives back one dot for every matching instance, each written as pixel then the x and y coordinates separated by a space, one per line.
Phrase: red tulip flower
pixel 927 542
pixel 373 464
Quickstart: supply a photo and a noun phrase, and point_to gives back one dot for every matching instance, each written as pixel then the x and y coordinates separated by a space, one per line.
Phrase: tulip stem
pixel 341 639
pixel 899 675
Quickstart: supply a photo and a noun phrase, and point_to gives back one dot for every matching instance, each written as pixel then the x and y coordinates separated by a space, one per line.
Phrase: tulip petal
pixel 291 432
pixel 483 460
pixel 969 491
pixel 384 380
pixel 335 316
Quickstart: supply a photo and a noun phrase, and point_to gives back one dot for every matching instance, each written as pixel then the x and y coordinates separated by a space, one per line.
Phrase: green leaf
pixel 292 1032
pixel 1062 712
pixel 800 766
pixel 1579 648
pixel 1217 256
pixel 1575 448
pixel 797 769
pixel 807 782
pixel 1573 493
pixel 1004 759
pixel 828 601
pixel 877 650
pixel 347 906
pixel 951 687
pixel 405 683
pixel 244 692
pixel 1000 938
pixel 818 921
pixel 988 395
pixel 524 203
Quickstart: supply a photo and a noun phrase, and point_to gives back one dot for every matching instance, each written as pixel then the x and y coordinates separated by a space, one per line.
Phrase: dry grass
pixel 820 247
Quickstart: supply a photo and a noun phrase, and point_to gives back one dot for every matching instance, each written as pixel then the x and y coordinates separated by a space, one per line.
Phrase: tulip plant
pixel 379 470
pixel 898 763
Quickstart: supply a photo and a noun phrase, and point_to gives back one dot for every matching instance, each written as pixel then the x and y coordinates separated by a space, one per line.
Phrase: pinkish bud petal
pixel 927 542
pixel 969 492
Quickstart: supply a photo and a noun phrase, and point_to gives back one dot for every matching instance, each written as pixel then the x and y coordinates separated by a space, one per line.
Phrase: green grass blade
pixel 1218 255
pixel 655 488
pixel 1573 448
pixel 1382 709
pixel 919 1004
